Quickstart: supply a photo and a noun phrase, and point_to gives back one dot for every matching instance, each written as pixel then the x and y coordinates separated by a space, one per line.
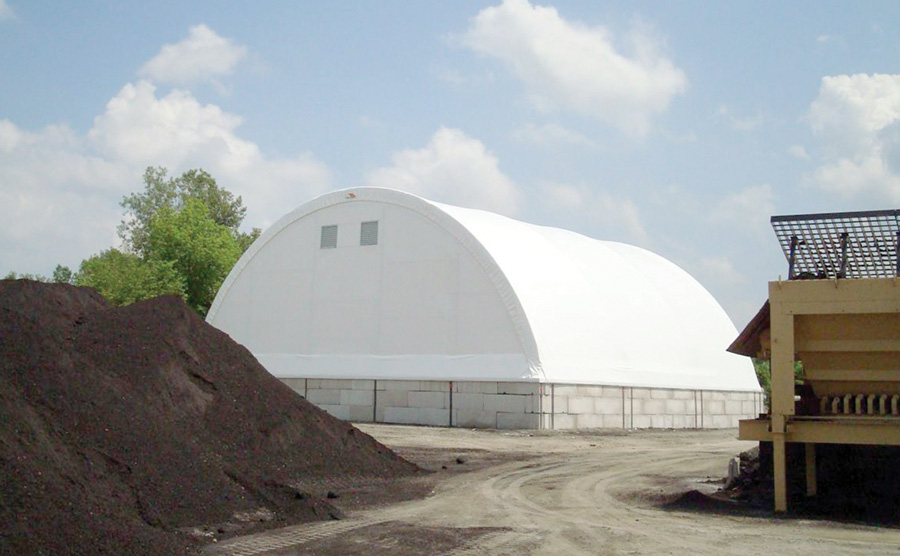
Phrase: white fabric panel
pixel 417 297
pixel 610 313
pixel 460 294
pixel 483 367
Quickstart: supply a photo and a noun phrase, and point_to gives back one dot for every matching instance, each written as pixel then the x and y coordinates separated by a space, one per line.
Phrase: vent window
pixel 329 237
pixel 368 234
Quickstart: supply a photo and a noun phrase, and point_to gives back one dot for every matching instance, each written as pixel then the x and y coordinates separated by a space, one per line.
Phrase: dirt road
pixel 505 493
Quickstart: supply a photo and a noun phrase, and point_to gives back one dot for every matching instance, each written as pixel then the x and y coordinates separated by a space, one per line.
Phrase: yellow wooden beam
pixel 873 431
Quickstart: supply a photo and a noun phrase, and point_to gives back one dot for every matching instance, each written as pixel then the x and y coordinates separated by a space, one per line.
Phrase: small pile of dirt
pixel 123 430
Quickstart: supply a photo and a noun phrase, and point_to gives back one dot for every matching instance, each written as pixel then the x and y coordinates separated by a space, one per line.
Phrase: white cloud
pixel 615 218
pixel 858 119
pixel 5 11
pixel 798 151
pixel 452 168
pixel 570 66
pixel 551 134
pixel 61 190
pixel 749 209
pixel 739 123
pixel 822 39
pixel 202 56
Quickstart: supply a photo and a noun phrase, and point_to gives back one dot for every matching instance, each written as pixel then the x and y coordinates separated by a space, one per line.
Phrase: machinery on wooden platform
pixel 839 314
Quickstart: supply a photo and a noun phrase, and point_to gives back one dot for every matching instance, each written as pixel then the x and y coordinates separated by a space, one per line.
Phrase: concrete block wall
pixel 525 405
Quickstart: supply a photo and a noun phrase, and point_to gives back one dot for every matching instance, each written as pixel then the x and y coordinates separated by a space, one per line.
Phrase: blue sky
pixel 680 127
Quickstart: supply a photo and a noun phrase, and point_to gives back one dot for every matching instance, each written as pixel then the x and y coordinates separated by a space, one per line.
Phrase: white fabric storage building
pixel 378 305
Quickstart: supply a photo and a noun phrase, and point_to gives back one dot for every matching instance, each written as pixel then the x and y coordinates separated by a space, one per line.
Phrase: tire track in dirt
pixel 581 501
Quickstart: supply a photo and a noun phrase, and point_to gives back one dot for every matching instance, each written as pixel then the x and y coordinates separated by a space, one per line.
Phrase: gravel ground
pixel 529 493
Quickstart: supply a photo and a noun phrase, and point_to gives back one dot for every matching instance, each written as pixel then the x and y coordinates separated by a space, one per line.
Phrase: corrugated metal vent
pixel 329 237
pixel 368 234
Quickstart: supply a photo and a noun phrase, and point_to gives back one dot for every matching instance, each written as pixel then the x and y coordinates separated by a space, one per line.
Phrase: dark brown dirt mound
pixel 122 428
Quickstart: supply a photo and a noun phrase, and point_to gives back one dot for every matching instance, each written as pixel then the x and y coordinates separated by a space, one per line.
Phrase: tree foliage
pixel 763 368
pixel 199 249
pixel 124 278
pixel 162 192
pixel 179 235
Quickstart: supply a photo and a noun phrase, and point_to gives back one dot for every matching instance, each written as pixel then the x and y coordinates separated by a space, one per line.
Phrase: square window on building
pixel 329 237
pixel 368 234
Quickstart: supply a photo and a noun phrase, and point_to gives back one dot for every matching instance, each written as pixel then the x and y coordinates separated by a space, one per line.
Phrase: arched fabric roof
pixel 577 310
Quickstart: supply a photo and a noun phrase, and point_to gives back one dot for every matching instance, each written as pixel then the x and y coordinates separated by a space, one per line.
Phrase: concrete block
pixel 661 394
pixel 641 422
pixel 590 391
pixel 564 422
pixel 508 421
pixel 682 421
pixel 661 421
pixel 367 385
pixel 324 397
pixel 339 411
pixel 434 386
pixel 379 415
pixel 678 407
pixel 476 419
pixel 468 402
pixel 407 385
pixel 559 404
pixel 749 408
pixel 417 416
pixel 613 391
pixel 733 407
pixel 683 394
pixel 393 398
pixel 640 393
pixel 653 407
pixel 608 406
pixel 715 396
pixel 357 397
pixel 579 404
pixel 334 384
pixel 504 402
pixel 589 421
pixel 295 384
pixel 360 413
pixel 313 383
pixel 719 422
pixel 612 421
pixel 713 407
pixel 564 390
pixel 523 388
pixel 475 387
pixel 439 400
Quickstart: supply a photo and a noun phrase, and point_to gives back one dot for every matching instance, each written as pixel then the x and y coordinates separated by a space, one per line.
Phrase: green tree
pixel 13 275
pixel 763 369
pixel 63 275
pixel 200 249
pixel 124 278
pixel 162 192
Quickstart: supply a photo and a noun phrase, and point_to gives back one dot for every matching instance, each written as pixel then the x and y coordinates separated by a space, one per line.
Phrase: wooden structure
pixel 843 323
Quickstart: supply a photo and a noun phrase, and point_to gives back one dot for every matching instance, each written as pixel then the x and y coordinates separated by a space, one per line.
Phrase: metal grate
pixel 840 245
pixel 329 237
pixel 368 233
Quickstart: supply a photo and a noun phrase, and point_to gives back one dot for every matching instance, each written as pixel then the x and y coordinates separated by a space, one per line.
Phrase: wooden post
pixel 782 400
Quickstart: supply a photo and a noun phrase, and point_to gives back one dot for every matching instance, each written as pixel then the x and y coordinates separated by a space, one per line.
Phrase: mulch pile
pixel 142 430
